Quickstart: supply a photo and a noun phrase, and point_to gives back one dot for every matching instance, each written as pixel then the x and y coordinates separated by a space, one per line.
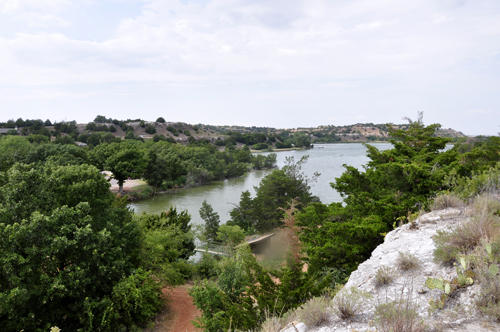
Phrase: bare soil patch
pixel 178 314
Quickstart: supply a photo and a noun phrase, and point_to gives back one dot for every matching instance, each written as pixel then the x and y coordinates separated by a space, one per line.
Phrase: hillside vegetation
pixel 104 129
pixel 73 256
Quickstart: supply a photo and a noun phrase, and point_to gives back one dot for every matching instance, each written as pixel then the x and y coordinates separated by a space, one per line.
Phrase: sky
pixel 273 63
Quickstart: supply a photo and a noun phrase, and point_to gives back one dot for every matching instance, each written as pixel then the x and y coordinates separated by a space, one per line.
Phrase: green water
pixel 324 158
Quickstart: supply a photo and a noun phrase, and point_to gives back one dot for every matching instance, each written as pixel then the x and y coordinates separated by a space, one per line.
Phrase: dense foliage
pixel 395 183
pixel 72 256
pixel 262 213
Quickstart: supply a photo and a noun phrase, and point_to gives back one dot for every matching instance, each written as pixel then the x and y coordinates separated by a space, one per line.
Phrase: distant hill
pixel 258 137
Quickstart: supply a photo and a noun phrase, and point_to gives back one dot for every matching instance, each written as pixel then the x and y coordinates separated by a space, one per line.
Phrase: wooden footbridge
pixel 256 245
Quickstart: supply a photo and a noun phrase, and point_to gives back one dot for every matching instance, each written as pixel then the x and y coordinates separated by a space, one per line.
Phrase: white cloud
pixel 478 111
pixel 360 54
pixel 14 7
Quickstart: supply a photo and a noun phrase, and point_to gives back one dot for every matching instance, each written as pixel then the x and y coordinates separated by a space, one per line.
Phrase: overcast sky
pixel 276 63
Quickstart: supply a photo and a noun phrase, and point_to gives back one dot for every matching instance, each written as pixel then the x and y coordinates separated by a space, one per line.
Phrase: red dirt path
pixel 185 310
pixel 178 314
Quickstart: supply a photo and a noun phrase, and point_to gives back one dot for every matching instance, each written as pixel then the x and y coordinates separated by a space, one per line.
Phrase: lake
pixel 324 158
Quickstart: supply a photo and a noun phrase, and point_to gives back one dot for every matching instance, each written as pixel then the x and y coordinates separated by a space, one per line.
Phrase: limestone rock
pixel 457 315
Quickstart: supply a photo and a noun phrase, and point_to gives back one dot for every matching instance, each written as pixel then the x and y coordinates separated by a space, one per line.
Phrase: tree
pixel 301 139
pixel 243 214
pixel 150 129
pixel 100 119
pixel 230 235
pixel 47 123
pixel 278 188
pixel 332 238
pixel 66 253
pixel 211 219
pixel 130 134
pixel 126 163
pixel 12 149
pixel 160 120
pixel 168 243
pixel 395 183
pixel 399 180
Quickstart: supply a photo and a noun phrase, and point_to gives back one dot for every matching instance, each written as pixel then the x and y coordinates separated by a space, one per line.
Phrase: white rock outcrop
pixel 457 315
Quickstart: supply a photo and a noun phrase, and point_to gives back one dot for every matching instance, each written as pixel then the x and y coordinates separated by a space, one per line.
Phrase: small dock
pixel 210 252
pixel 257 245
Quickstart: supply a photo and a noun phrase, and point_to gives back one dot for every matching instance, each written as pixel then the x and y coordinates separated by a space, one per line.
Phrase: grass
pixel 315 312
pixel 276 323
pixel 478 241
pixel 398 316
pixel 348 303
pixel 446 201
pixel 407 262
pixel 483 226
pixel 384 276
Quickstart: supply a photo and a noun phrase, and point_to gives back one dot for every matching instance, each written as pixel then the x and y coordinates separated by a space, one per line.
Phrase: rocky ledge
pixel 458 314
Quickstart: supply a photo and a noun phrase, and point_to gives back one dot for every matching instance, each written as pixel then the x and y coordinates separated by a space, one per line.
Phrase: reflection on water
pixel 324 158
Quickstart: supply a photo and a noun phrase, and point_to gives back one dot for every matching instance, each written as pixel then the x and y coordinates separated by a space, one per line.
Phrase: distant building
pixel 3 131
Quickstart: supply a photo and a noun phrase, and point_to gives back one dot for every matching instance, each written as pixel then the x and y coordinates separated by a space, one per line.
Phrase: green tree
pixel 64 247
pixel 150 129
pixel 211 219
pixel 12 149
pixel 126 163
pixel 395 182
pixel 278 188
pixel 300 139
pixel 332 238
pixel 399 180
pixel 230 235
pixel 160 120
pixel 243 214
pixel 167 245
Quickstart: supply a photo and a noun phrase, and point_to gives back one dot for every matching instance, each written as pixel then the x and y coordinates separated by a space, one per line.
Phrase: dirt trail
pixel 184 309
pixel 178 314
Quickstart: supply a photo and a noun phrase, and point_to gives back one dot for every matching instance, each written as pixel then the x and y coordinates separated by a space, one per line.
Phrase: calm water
pixel 324 158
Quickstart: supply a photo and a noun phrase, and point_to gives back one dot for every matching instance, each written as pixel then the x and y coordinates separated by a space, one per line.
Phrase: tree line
pixel 73 256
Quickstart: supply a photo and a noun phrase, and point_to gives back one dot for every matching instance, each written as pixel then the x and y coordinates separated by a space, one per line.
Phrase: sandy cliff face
pixel 458 314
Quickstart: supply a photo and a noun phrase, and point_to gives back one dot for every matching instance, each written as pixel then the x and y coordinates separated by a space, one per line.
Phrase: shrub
pixel 260 146
pixel 315 312
pixel 136 299
pixel 384 276
pixel 398 316
pixel 488 302
pixel 349 302
pixel 485 204
pixel 407 262
pixel 446 201
pixel 467 187
pixel 276 323
pixel 150 129
pixel 466 237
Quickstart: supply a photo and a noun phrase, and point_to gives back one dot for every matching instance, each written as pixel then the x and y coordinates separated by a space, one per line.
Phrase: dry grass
pixel 348 303
pixel 275 323
pixel 408 262
pixel 400 314
pixel 485 204
pixel 483 226
pixel 446 201
pixel 488 302
pixel 315 312
pixel 384 276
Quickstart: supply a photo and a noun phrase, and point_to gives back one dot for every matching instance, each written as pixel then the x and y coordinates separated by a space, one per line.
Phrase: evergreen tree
pixel 212 221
